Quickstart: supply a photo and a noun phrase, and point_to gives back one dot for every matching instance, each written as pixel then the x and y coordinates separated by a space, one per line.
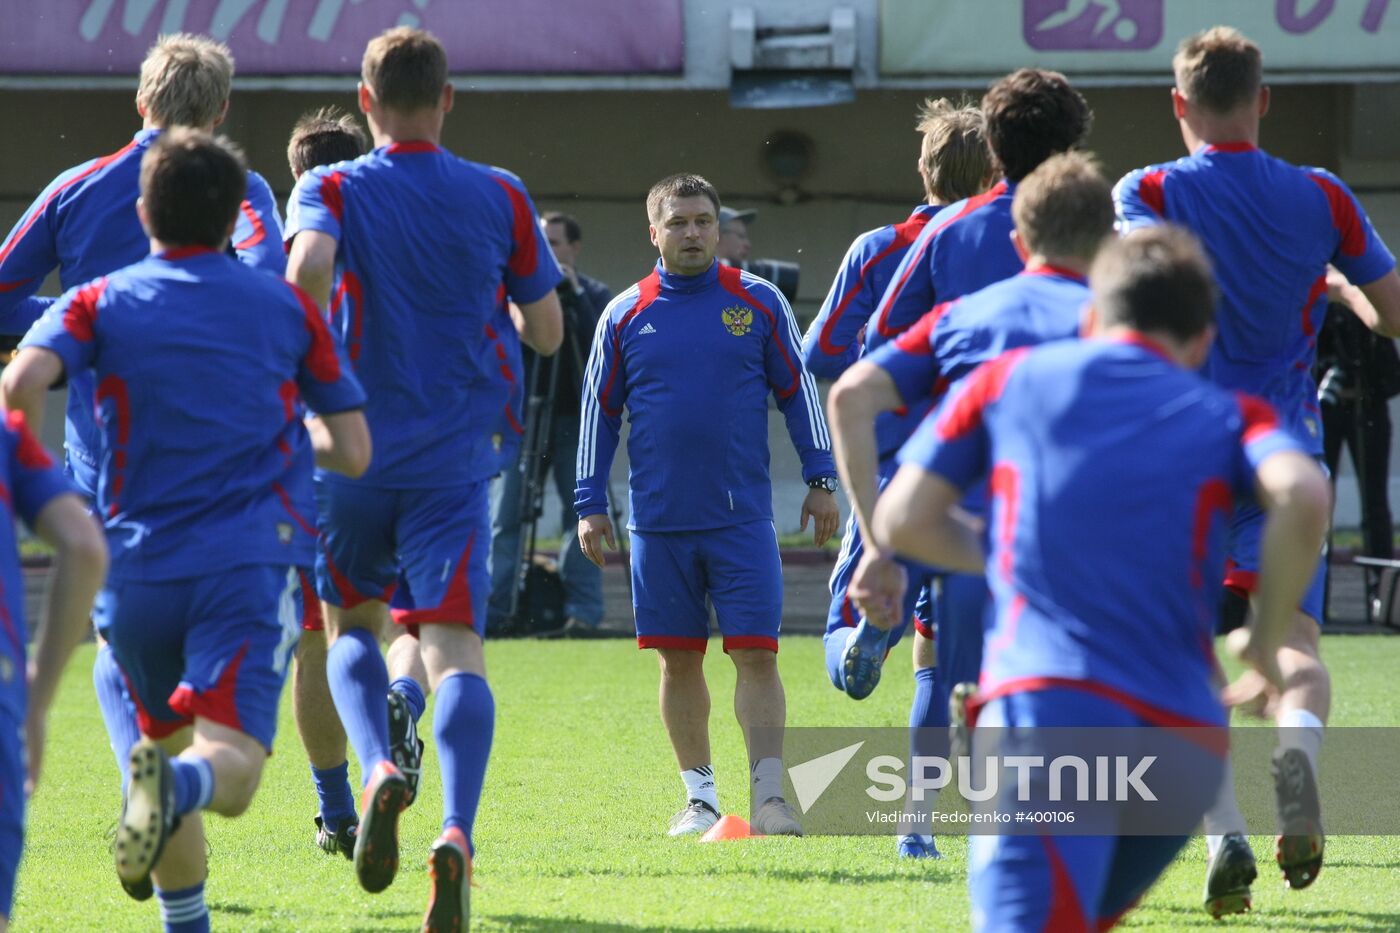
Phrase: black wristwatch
pixel 824 483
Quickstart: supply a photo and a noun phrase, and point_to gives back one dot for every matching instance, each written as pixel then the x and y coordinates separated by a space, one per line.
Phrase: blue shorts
pixel 212 648
pixel 1069 882
pixel 737 567
pixel 1242 565
pixel 12 802
pixel 438 541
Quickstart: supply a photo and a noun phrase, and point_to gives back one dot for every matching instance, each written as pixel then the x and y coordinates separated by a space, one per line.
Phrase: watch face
pixel 828 483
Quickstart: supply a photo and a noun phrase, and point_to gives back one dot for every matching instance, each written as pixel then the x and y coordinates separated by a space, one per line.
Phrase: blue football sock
pixel 927 711
pixel 333 791
pixel 359 682
pixel 118 712
pixel 184 911
pixel 834 644
pixel 194 783
pixel 463 720
pixel 409 689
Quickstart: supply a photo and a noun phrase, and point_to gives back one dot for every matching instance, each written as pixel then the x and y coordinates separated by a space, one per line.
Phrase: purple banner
pixel 329 36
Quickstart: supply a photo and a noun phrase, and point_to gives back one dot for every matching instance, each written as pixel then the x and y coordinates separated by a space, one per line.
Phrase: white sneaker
pixel 775 818
pixel 697 817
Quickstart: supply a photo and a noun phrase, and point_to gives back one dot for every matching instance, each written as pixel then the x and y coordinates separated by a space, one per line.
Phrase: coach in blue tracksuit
pixel 692 352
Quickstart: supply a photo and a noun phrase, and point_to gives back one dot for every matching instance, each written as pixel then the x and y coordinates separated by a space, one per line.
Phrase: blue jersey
pixel 835 339
pixel 28 482
pixel 84 224
pixel 1270 228
pixel 1113 474
pixel 509 397
pixel 426 240
pixel 964 248
pixel 948 343
pixel 201 366
pixel 693 359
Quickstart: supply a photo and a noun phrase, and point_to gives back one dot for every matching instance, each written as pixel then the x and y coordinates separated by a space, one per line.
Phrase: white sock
pixel 1301 729
pixel 767 779
pixel 700 785
pixel 1224 816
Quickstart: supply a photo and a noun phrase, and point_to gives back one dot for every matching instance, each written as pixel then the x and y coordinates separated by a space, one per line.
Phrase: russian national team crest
pixel 738 320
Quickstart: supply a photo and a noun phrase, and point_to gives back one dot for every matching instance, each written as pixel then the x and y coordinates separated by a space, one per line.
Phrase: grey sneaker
pixel 697 817
pixel 775 818
pixel 1229 876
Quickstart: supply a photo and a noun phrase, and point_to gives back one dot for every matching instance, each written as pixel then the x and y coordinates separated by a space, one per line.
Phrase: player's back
pixel 1026 310
pixel 964 248
pixel 85 224
pixel 204 461
pixel 867 269
pixel 1270 229
pixel 427 238
pixel 1113 481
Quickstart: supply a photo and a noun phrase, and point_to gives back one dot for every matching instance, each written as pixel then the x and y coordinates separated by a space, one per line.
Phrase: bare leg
pixel 759 703
pixel 318 724
pixel 406 659
pixel 685 705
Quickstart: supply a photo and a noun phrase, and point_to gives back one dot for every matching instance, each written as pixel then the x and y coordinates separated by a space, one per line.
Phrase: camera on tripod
pixel 782 274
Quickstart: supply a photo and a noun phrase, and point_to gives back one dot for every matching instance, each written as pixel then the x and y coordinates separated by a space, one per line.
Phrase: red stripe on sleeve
pixel 80 317
pixel 917 339
pixel 904 234
pixel 1259 416
pixel 1344 216
pixel 331 196
pixel 984 386
pixel 648 290
pixel 1150 190
pixel 30 452
pixel 38 211
pixel 972 204
pixel 524 255
pixel 259 231
pixel 321 359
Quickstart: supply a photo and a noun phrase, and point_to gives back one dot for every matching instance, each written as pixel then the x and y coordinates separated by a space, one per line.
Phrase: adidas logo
pixel 647 329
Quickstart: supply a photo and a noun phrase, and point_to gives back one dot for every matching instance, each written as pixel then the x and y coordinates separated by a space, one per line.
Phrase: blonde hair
pixel 956 161
pixel 185 81
pixel 1219 69
pixel 1064 208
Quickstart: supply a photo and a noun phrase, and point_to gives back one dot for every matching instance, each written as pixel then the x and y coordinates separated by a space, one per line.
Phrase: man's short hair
pixel 681 185
pixel 191 186
pixel 1064 208
pixel 572 231
pixel 954 153
pixel 324 137
pixel 405 69
pixel 1156 279
pixel 1031 115
pixel 1219 69
pixel 185 81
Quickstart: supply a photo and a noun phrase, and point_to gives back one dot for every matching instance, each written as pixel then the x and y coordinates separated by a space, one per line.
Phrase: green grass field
pixel 571 831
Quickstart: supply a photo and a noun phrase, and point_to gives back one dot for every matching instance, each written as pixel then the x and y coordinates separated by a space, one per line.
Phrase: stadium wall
pixel 594 154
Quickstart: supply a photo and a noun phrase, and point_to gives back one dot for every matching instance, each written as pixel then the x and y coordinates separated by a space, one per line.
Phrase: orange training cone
pixel 728 827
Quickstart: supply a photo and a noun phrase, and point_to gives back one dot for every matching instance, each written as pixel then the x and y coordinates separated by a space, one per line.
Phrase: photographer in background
pixel 734 249
pixel 1358 373
pixel 583 299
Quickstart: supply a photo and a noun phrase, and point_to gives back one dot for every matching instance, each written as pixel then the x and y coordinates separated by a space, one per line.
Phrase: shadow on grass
pixel 827 875
pixel 1322 920
pixel 226 908
pixel 530 924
